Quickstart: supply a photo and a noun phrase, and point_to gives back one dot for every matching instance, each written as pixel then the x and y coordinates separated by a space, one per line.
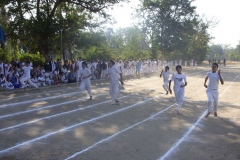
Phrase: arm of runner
pixel 161 74
pixel 220 76
pixel 205 82
pixel 121 79
pixel 87 76
pixel 169 88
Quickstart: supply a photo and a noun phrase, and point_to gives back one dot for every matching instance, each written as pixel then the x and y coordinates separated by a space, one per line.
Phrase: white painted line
pixel 114 135
pixel 49 106
pixel 72 126
pixel 110 137
pixel 135 80
pixel 56 115
pixel 32 94
pixel 192 127
pixel 41 99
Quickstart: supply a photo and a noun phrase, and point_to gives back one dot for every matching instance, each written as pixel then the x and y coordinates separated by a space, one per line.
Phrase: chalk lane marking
pixel 52 116
pixel 52 91
pixel 41 99
pixel 174 146
pixel 53 97
pixel 72 126
pixel 49 106
pixel 114 135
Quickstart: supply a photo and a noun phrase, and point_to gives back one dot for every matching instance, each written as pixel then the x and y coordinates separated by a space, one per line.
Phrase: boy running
pixel 212 88
pixel 114 74
pixel 165 75
pixel 85 75
pixel 180 82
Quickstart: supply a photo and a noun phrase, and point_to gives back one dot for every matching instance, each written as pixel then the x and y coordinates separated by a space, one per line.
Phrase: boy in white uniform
pixel 180 81
pixel 165 75
pixel 26 76
pixel 114 73
pixel 212 88
pixel 85 75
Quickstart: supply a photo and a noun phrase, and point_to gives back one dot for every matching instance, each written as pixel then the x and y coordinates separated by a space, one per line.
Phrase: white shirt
pixel 63 78
pixel 113 73
pixel 85 72
pixel 64 70
pixel 166 76
pixel 213 80
pixel 8 84
pixel 120 66
pixel 179 79
pixel 79 63
pixel 26 71
pixel 41 79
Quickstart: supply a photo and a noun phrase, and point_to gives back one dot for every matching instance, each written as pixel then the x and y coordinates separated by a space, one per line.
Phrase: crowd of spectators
pixel 55 72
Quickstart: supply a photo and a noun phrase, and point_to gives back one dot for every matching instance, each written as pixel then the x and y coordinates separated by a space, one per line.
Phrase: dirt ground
pixel 60 122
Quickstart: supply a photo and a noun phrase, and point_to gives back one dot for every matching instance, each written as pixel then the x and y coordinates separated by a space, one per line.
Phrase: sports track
pixel 60 122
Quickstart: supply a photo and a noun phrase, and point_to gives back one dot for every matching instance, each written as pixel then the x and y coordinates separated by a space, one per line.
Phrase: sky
pixel 225 12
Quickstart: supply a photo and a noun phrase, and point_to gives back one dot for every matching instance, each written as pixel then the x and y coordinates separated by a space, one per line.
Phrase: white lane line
pixel 54 105
pixel 110 137
pixel 114 135
pixel 56 115
pixel 34 94
pixel 41 99
pixel 49 106
pixel 192 127
pixel 53 97
pixel 72 126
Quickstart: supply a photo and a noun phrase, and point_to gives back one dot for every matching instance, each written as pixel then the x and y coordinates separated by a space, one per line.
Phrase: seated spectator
pixel 56 75
pixel 64 78
pixel 34 79
pixel 2 80
pixel 71 77
pixel 49 81
pixel 10 71
pixel 14 80
pixel 42 72
pixel 41 80
pixel 64 70
pixel 8 84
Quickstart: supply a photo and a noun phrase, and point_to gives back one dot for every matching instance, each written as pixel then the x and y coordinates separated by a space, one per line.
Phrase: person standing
pixel 212 88
pixel 26 76
pixel 180 82
pixel 166 75
pixel 85 75
pixel 114 74
pixel 224 61
pixel 79 68
pixel 138 67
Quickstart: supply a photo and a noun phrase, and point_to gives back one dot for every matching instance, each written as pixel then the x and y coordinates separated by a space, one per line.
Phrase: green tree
pixel 172 26
pixel 36 23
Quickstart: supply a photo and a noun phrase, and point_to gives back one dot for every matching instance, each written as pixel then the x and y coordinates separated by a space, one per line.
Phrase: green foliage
pixel 34 26
pixel 37 59
pixel 128 43
pixel 94 52
pixel 174 29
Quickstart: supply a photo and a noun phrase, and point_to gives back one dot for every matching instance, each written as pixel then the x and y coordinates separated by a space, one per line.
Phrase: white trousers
pixel 114 89
pixel 212 100
pixel 165 86
pixel 86 84
pixel 77 75
pixel 179 95
pixel 28 79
